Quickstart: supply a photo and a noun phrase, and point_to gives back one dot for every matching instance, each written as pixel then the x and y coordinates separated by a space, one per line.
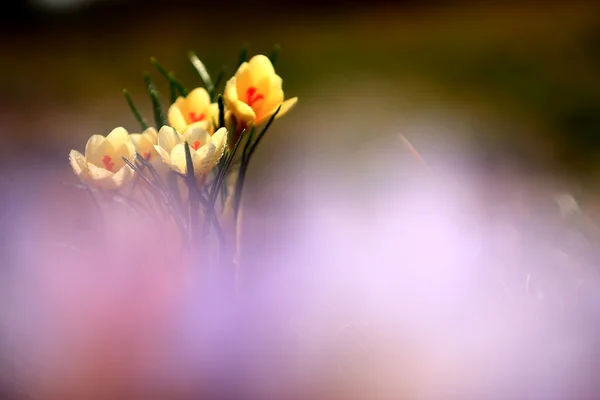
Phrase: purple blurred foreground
pixel 388 287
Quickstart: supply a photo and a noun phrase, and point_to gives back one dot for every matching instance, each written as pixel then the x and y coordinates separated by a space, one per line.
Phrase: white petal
pixel 122 176
pixel 203 158
pixel 78 163
pixel 168 138
pixel 118 137
pixel 196 133
pixel 166 157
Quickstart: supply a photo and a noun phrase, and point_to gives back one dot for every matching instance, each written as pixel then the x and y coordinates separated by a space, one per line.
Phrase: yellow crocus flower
pixel 206 150
pixel 102 165
pixel 255 92
pixel 193 110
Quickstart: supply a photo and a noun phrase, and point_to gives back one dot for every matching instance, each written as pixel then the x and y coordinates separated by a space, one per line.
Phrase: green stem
pixel 194 195
pixel 201 69
pixel 135 111
pixel 159 117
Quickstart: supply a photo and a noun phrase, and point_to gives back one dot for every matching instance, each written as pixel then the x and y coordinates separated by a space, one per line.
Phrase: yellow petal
pixel 176 119
pixel 214 115
pixel 78 164
pixel 230 93
pixel 274 95
pixel 244 113
pixel 287 106
pixel 243 78
pixel 118 137
pixel 95 148
pixel 260 67
pixel 196 101
pixel 168 138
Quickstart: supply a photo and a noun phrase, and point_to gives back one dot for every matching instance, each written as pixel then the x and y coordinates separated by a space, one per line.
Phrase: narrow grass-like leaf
pixel 243 55
pixel 158 193
pixel 262 133
pixel 242 173
pixel 194 197
pixel 159 117
pixel 201 69
pixel 221 104
pixel 274 54
pixel 173 92
pixel 218 81
pixel 169 76
pixel 223 171
pixel 135 111
pixel 177 83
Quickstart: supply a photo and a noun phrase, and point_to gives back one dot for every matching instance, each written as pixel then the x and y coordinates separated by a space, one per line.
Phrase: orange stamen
pixel 252 96
pixel 196 117
pixel 147 156
pixel 108 164
pixel 195 145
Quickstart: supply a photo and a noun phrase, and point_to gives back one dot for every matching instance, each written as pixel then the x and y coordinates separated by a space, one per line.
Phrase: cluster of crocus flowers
pixel 191 140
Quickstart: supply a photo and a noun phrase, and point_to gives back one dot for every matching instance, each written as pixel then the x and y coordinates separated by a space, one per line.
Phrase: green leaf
pixel 169 76
pixel 218 81
pixel 159 117
pixel 243 55
pixel 135 111
pixel 274 54
pixel 173 92
pixel 221 104
pixel 194 196
pixel 201 69
pixel 262 133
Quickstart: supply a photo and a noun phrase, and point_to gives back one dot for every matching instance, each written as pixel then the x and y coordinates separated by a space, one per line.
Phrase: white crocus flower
pixel 102 166
pixel 206 150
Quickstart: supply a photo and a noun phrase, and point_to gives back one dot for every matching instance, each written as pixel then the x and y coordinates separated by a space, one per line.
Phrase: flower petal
pixel 219 139
pixel 230 93
pixel 260 67
pixel 286 106
pixel 122 176
pixel 203 159
pixel 166 157
pixel 95 147
pixel 168 138
pixel 196 133
pixel 117 137
pixel 176 119
pixel 197 100
pixel 78 164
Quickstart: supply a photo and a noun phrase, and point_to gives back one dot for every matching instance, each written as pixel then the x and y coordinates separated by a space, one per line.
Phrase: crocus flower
pixel 144 144
pixel 206 150
pixel 255 92
pixel 102 165
pixel 193 110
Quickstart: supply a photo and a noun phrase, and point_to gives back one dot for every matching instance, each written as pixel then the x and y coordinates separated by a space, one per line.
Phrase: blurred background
pixel 513 77
pixel 502 94
pixel 492 83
